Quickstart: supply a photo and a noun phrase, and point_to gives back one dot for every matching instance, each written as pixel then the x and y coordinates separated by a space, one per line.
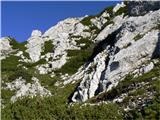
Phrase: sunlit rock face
pixel 26 89
pixel 124 55
pixel 140 7
pixel 34 45
pixel 5 47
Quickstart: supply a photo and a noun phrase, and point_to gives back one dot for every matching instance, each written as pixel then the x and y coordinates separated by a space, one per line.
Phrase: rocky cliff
pixel 142 7
pixel 95 54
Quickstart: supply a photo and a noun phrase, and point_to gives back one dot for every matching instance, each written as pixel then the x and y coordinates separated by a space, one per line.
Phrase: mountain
pixel 105 66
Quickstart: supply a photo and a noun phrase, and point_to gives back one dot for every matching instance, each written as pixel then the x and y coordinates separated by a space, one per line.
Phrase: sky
pixel 19 19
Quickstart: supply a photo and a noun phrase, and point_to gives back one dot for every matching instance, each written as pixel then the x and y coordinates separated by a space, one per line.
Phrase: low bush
pixel 108 9
pixel 6 95
pixel 121 11
pixel 19 46
pixel 52 108
pixel 151 111
pixel 48 47
pixel 10 63
pixel 20 72
pixel 31 65
pixel 138 36
pixel 87 20
pixel 77 59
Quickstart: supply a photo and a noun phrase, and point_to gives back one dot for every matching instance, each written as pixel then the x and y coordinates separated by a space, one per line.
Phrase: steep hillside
pixel 105 66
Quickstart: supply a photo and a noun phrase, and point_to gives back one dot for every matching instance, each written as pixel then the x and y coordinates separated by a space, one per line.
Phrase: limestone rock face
pixel 91 78
pixel 140 7
pixel 118 6
pixel 26 89
pixel 123 56
pixel 60 35
pixel 34 45
pixel 36 33
pixel 5 47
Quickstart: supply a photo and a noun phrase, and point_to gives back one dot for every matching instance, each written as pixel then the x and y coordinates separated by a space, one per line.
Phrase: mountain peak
pixel 36 33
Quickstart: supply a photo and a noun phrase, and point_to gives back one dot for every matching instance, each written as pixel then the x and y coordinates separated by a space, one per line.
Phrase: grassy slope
pixel 56 107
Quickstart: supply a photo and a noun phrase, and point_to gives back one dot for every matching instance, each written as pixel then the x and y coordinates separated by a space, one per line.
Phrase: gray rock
pixel 147 68
pixel 34 45
pixel 26 89
pixel 5 47
pixel 119 63
pixel 140 7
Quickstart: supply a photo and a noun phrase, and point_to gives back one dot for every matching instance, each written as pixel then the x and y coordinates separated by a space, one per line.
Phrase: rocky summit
pixel 104 67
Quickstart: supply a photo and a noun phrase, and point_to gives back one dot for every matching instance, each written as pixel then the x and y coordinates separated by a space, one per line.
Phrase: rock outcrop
pixel 5 47
pixel 34 45
pixel 124 56
pixel 140 7
pixel 26 89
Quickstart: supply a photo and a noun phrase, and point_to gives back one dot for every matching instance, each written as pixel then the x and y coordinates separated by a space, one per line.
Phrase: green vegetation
pixel 157 26
pixel 108 10
pixel 85 41
pixel 75 36
pixel 48 47
pixel 77 59
pixel 19 46
pixel 31 65
pixel 122 10
pixel 152 109
pixel 10 63
pixel 52 108
pixel 138 36
pixel 12 70
pixel 16 45
pixel 6 94
pixel 107 23
pixel 87 20
pixel 56 107
pixel 20 72
pixel 71 53
pixel 48 82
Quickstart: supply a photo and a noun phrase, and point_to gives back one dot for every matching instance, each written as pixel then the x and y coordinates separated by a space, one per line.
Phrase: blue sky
pixel 20 18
